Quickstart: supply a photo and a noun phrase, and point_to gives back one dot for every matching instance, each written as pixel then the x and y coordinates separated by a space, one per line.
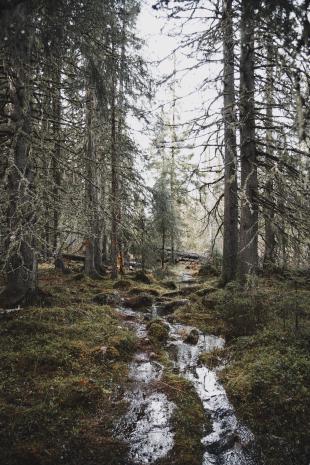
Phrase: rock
pixel 222 444
pixel 139 302
pixel 122 284
pixel 153 356
pixel 182 292
pixel 158 331
pixel 142 277
pixel 171 318
pixel 169 307
pixel 173 350
pixel 107 299
pixel 143 290
pixel 192 337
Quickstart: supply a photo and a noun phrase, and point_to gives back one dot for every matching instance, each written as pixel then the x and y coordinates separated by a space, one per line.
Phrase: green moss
pixel 197 315
pixel 268 381
pixel 122 284
pixel 158 331
pixel 189 421
pixel 212 359
pixel 55 388
pixel 267 329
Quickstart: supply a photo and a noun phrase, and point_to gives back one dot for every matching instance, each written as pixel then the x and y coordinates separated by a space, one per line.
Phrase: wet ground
pixel 147 424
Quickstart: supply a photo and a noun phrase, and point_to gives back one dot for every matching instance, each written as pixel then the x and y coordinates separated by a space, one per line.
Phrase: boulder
pixel 107 299
pixel 142 277
pixel 122 284
pixel 158 331
pixel 171 318
pixel 143 290
pixel 184 291
pixel 168 307
pixel 139 302
pixel 192 337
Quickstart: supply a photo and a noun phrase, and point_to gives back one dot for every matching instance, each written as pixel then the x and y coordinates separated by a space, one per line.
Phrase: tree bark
pixel 114 174
pixel 91 188
pixel 56 172
pixel 163 248
pixel 248 253
pixel 21 263
pixel 230 236
pixel 270 239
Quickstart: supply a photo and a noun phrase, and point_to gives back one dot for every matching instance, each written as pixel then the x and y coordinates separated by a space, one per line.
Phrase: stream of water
pixel 147 424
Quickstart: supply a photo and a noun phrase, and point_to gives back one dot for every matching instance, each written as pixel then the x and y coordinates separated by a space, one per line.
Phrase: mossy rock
pixel 193 337
pixel 140 302
pixel 107 298
pixel 122 284
pixel 142 277
pixel 143 290
pixel 165 308
pixel 158 331
pixel 212 359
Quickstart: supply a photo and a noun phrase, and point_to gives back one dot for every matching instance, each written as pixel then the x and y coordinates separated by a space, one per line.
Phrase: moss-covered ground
pixel 64 372
pixel 63 368
pixel 267 377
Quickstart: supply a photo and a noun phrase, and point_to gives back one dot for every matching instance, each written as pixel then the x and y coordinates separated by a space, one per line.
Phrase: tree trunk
pixel 91 193
pixel 230 237
pixel 248 254
pixel 21 264
pixel 56 172
pixel 163 249
pixel 270 240
pixel 172 163
pixel 114 174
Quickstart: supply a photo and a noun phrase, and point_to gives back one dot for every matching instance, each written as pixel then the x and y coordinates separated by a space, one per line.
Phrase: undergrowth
pixel 189 421
pixel 59 391
pixel 267 329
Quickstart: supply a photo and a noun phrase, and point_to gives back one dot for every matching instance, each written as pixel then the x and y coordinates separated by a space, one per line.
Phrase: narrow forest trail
pixel 147 424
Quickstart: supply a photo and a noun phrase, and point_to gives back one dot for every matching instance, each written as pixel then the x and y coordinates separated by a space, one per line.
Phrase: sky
pixel 162 37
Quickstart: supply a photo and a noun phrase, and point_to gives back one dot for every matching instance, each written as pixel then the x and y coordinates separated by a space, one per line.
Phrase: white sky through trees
pixel 162 36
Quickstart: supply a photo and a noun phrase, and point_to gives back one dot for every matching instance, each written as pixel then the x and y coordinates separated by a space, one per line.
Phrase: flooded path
pixel 147 424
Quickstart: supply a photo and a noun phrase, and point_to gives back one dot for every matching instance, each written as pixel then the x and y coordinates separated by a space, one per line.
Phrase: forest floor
pixel 64 368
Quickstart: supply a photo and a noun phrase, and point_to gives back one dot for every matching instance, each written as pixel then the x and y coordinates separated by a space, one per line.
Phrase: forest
pixel 154 232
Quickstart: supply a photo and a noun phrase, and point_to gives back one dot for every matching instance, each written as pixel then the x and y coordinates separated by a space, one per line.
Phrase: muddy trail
pixel 147 426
